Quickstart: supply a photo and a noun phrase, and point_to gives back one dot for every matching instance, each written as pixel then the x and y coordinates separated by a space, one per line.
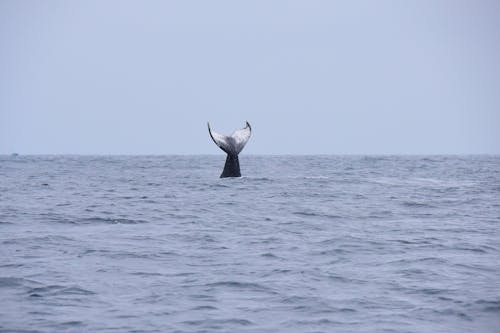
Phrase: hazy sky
pixel 334 77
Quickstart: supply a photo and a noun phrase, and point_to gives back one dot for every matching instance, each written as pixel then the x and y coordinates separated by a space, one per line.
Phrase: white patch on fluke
pixel 234 143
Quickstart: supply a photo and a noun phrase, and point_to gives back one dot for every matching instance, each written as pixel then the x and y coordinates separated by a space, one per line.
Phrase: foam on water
pixel 299 244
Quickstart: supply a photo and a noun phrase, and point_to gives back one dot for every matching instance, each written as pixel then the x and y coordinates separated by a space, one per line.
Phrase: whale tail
pixel 232 145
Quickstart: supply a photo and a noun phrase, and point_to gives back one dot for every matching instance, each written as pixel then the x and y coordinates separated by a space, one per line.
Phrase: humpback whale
pixel 232 145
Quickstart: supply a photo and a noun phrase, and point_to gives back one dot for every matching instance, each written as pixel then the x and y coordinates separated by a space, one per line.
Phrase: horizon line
pixel 258 154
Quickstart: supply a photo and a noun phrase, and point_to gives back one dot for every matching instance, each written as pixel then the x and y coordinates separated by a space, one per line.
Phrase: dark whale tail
pixel 232 145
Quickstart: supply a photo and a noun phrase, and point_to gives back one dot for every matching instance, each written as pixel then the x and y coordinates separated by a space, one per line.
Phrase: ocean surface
pixel 299 244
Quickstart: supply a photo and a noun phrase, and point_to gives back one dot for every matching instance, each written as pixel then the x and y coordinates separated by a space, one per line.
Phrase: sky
pixel 311 77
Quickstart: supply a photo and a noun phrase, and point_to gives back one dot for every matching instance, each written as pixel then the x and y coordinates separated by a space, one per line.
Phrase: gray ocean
pixel 299 244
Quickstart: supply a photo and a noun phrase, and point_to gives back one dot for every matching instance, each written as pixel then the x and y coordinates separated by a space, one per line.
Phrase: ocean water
pixel 299 244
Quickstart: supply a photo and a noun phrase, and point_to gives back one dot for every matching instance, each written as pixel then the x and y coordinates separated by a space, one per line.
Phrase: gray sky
pixel 334 77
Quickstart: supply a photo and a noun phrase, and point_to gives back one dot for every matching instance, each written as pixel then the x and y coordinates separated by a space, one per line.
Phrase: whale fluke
pixel 232 145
